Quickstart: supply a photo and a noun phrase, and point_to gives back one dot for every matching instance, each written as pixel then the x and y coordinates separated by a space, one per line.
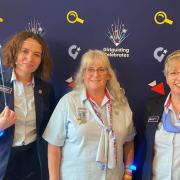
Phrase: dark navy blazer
pixel 44 106
pixel 153 114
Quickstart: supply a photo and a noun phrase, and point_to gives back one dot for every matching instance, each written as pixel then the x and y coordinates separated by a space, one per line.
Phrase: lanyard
pixel 108 108
pixel 109 120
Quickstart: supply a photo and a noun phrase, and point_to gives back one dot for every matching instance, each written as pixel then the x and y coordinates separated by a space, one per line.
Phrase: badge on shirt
pixel 82 114
pixel 153 119
pixel 5 89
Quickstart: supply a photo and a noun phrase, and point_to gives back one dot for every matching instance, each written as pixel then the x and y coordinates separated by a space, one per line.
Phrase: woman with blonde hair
pixel 162 116
pixel 90 133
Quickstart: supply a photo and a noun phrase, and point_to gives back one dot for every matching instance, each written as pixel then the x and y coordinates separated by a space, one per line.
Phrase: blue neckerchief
pixel 167 124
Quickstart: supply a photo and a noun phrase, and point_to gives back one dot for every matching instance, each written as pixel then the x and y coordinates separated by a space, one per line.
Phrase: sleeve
pixel 55 132
pixel 129 124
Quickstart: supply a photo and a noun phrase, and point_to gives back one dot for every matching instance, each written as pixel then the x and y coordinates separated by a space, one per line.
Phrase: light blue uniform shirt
pixel 24 107
pixel 80 139
pixel 166 163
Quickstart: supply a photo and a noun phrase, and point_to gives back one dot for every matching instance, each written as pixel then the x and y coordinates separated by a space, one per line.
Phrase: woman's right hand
pixel 7 118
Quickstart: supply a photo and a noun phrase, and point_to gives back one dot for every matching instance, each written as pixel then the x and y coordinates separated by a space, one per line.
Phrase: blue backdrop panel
pixel 138 59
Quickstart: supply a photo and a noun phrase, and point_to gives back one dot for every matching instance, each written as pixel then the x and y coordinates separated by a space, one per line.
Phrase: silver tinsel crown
pixel 118 33
pixel 35 26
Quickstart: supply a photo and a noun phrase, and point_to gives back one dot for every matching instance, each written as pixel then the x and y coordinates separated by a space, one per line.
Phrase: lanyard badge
pixel 153 119
pixel 82 115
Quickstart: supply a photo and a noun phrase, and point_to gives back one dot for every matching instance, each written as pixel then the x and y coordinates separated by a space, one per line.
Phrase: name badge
pixel 82 114
pixel 153 119
pixel 5 89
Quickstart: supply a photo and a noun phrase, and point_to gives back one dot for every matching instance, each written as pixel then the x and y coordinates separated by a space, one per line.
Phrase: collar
pixel 14 78
pixel 83 96
pixel 168 103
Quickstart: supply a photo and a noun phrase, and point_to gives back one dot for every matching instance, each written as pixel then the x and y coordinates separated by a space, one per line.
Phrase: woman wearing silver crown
pixel 29 102
pixel 90 133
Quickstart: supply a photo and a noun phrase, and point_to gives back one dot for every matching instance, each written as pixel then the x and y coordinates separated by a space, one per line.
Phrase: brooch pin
pixel 40 91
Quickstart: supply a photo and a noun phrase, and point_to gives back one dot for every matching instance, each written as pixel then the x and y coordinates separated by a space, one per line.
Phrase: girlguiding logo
pixel 117 34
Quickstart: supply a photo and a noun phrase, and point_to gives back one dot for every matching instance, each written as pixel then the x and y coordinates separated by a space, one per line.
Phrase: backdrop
pixel 137 36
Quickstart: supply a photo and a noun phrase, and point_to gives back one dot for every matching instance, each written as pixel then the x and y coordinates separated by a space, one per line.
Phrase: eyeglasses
pixel 173 74
pixel 100 71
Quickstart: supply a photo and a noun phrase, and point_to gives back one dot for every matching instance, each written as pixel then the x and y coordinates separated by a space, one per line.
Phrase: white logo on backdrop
pixel 160 53
pixel 74 51
pixel 117 33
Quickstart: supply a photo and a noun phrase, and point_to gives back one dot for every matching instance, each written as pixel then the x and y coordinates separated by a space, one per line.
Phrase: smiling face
pixel 94 72
pixel 28 57
pixel 95 78
pixel 173 76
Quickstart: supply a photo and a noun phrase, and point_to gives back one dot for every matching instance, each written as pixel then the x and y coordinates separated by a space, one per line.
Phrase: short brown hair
pixel 12 47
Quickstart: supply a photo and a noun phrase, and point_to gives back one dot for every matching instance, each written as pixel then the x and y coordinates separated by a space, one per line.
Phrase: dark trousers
pixel 23 164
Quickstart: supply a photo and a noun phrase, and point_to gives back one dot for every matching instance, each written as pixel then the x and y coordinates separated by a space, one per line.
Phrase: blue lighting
pixel 132 167
pixel 1 133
